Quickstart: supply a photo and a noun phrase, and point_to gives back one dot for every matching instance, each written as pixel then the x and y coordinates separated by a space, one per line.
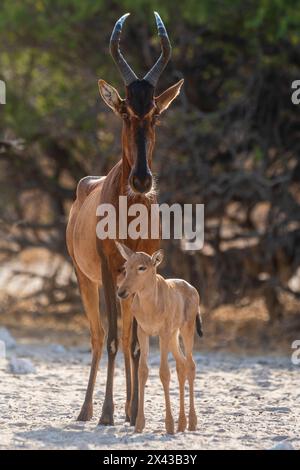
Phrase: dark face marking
pixel 141 176
pixel 141 148
pixel 140 100
pixel 140 97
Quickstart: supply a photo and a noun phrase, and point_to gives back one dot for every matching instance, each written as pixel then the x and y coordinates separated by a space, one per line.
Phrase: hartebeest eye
pixel 155 118
pixel 125 116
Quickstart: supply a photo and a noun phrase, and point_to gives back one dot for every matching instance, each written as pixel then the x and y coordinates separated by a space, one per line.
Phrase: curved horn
pixel 127 73
pixel 166 50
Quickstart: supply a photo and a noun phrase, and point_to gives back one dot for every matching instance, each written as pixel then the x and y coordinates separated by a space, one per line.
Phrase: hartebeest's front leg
pixel 109 287
pixel 90 297
pixel 143 376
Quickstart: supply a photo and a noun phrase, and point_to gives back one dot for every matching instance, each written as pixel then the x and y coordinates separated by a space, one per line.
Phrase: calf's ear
pixel 157 257
pixel 124 250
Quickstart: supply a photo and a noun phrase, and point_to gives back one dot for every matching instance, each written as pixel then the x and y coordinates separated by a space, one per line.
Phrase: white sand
pixel 242 403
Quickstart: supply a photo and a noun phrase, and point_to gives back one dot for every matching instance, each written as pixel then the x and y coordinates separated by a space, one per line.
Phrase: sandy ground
pixel 242 403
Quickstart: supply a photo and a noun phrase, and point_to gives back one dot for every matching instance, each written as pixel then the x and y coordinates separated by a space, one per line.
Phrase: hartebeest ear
pixel 164 100
pixel 157 257
pixel 110 96
pixel 124 250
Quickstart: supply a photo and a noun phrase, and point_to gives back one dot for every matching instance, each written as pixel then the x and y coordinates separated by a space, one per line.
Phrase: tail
pixel 199 325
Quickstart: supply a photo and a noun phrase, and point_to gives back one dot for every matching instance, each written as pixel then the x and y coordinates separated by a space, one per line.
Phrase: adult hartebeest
pixel 98 262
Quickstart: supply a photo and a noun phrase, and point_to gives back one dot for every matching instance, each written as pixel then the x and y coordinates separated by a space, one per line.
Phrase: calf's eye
pixel 142 268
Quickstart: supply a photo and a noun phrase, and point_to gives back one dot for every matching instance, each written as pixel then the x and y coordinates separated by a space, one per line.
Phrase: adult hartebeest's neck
pixel 126 169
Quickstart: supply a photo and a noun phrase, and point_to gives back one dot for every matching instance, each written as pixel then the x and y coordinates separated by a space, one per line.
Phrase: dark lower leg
pixel 107 415
pixel 86 412
pixel 128 387
pixel 112 344
pixel 135 356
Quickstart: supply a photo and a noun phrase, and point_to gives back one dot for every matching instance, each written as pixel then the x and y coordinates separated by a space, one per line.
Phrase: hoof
pixel 181 426
pixel 182 423
pixel 106 420
pixel 192 427
pixel 170 427
pixel 85 414
pixel 127 412
pixel 132 421
pixel 138 429
pixel 192 423
pixel 107 417
pixel 170 431
pixel 140 425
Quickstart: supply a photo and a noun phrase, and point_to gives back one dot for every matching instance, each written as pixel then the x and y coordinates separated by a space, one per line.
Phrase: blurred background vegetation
pixel 231 141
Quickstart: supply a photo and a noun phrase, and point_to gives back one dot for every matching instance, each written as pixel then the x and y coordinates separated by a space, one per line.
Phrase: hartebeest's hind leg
pixel 90 297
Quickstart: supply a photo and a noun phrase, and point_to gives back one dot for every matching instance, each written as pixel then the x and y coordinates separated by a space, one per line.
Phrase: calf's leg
pixel 135 357
pixel 187 333
pixel 181 368
pixel 142 376
pixel 164 373
pixel 126 338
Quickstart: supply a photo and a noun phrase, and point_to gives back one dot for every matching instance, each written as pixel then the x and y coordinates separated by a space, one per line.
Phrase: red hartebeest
pixel 98 262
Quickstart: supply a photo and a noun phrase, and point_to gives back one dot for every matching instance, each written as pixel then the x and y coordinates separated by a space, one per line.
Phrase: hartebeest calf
pixel 167 308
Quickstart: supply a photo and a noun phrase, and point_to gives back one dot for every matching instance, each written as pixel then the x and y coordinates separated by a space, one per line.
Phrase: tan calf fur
pixel 164 308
